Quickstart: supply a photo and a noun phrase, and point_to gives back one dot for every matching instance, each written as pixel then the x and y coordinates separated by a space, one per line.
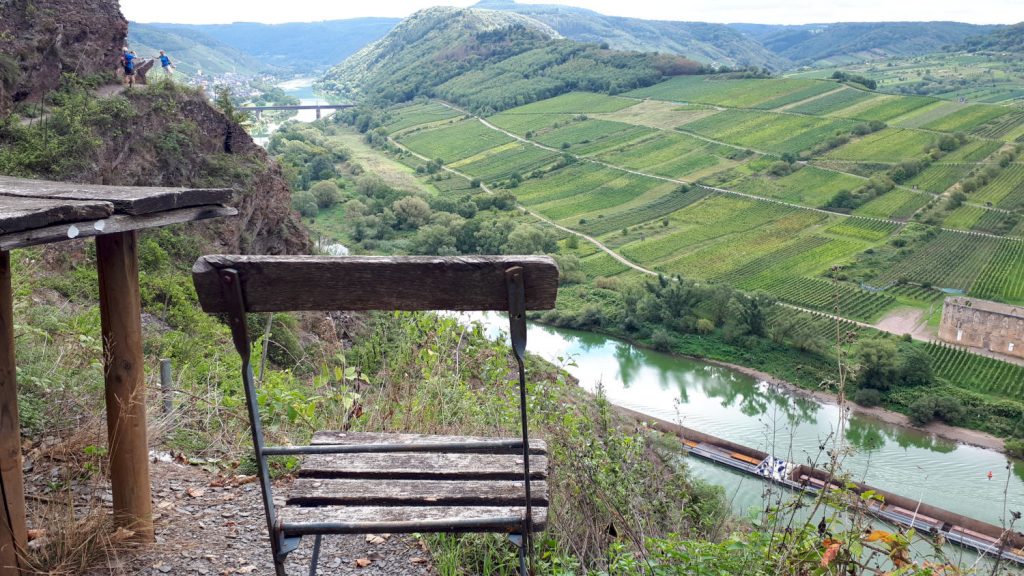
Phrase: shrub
pixel 868 397
pixel 326 193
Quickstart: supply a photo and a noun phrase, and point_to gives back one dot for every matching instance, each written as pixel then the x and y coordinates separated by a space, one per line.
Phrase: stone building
pixel 983 324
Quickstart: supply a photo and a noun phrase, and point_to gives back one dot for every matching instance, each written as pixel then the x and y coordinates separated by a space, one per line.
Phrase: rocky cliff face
pixel 175 138
pixel 48 37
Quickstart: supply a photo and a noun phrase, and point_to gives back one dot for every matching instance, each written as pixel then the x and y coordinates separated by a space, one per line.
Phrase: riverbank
pixel 954 433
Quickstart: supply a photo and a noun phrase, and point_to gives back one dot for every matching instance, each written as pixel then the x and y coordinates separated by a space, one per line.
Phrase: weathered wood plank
pixel 329 437
pixel 133 200
pixel 13 535
pixel 390 492
pixel 376 519
pixel 17 214
pixel 423 466
pixel 112 225
pixel 275 283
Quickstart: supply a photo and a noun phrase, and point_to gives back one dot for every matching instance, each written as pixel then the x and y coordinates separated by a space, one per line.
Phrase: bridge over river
pixel 317 107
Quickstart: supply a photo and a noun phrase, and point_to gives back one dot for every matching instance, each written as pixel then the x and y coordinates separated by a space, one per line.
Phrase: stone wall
pixel 983 324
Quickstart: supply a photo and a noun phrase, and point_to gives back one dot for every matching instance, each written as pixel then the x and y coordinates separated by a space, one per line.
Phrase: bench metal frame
pixel 285 538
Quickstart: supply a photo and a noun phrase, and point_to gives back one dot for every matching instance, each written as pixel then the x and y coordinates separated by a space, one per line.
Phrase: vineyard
pixel 808 186
pixel 514 158
pixel 667 154
pixel 937 178
pixel 456 141
pixel 1005 191
pixel 889 145
pixel 575 103
pixel 734 93
pixel 898 204
pixel 863 229
pixel 833 102
pixel 884 108
pixel 948 260
pixel 986 375
pixel 417 114
pixel 590 136
pixel 768 131
pixel 1003 277
pixel 967 118
pixel 822 294
pixel 1000 125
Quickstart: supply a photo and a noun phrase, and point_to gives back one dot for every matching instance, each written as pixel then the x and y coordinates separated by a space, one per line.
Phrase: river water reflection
pixel 731 405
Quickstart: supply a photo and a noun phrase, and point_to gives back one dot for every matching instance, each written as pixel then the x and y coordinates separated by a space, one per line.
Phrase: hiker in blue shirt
pixel 165 63
pixel 128 58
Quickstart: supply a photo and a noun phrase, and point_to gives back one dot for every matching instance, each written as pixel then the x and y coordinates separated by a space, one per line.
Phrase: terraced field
pixel 970 116
pixel 1005 191
pixel 456 141
pixel 975 372
pixel 734 93
pixel 888 145
pixel 575 103
pixel 1003 277
pixel 771 132
pixel 808 186
pixel 669 154
pixel 950 260
pixel 833 102
pixel 898 204
pixel 417 114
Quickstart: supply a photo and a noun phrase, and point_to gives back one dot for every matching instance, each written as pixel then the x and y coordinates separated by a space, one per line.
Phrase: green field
pixel 767 131
pixel 575 103
pixel 808 186
pixel 833 102
pixel 734 93
pixel 416 114
pixel 1005 191
pixel 889 145
pixel 898 204
pixel 937 178
pixel 673 155
pixel 506 160
pixel 456 141
pixel 968 117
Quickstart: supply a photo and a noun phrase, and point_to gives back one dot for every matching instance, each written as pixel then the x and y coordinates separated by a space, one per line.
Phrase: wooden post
pixel 12 495
pixel 121 316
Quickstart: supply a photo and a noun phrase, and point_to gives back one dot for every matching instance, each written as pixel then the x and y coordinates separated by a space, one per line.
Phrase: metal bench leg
pixel 517 333
pixel 316 555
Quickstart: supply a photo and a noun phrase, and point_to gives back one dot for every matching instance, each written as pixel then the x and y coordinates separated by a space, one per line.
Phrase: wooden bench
pixel 363 482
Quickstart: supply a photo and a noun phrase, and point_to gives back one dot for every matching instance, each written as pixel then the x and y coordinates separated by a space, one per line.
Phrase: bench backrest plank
pixel 279 283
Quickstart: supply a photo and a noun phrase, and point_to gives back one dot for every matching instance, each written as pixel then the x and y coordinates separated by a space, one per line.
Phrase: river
pixel 731 405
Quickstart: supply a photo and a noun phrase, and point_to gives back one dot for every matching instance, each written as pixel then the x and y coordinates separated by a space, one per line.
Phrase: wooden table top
pixel 42 211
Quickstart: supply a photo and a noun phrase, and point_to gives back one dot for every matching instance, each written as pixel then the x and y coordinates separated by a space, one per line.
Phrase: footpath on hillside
pixel 209 524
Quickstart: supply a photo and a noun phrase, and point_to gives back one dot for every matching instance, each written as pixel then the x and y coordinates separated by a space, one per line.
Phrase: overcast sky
pixel 760 11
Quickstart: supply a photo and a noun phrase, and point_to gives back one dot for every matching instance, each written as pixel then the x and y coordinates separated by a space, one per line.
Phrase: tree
pixel 529 239
pixel 754 312
pixel 326 193
pixel 412 212
pixel 879 365
pixel 305 203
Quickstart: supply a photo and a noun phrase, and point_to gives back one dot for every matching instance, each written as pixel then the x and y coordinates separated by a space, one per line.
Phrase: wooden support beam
pixel 121 317
pixel 12 496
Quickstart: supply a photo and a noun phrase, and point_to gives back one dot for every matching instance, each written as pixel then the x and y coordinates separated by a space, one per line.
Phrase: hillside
pixel 489 59
pixel 300 47
pixel 37 46
pixel 845 42
pixel 192 50
pixel 715 44
pixel 1008 39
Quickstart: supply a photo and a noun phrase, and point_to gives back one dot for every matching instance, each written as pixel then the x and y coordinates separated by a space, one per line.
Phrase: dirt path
pixel 211 525
pixel 911 321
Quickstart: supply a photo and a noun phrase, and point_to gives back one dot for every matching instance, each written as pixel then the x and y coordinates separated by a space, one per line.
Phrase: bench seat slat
pixel 423 466
pixel 390 492
pixel 328 437
pixel 298 521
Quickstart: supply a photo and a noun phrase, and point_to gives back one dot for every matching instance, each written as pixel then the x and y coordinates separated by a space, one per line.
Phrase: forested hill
pixel 193 50
pixel 705 42
pixel 1008 39
pixel 487 59
pixel 301 47
pixel 845 42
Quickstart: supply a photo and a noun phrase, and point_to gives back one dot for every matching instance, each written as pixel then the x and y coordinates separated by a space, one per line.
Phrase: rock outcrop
pixel 46 38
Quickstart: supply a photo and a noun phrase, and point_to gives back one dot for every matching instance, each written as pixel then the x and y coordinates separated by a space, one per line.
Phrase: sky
pixel 756 11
